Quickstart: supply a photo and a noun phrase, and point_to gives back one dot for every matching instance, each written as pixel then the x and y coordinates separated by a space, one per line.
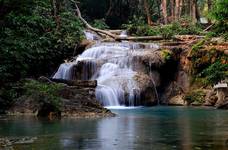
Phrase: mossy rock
pixel 195 97
pixel 166 54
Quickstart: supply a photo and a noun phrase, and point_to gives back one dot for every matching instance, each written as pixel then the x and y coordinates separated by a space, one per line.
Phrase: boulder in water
pixel 76 101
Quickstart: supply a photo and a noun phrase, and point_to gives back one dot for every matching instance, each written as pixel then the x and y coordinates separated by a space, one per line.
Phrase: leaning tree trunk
pixel 164 11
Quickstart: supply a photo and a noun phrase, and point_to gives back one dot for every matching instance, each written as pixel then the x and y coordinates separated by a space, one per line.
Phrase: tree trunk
pixel 164 11
pixel 147 10
pixel 193 10
pixel 180 8
pixel 172 7
pixel 177 9
pixel 108 13
pixel 209 4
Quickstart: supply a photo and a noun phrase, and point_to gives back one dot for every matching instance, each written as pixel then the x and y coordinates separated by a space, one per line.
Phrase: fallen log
pixel 133 38
pixel 113 33
pixel 79 83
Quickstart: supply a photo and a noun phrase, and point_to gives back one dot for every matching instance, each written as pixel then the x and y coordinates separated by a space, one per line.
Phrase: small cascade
pixel 91 36
pixel 154 85
pixel 123 34
pixel 64 71
pixel 111 64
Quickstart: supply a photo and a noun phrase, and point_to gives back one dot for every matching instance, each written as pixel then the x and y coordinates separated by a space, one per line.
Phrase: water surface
pixel 155 128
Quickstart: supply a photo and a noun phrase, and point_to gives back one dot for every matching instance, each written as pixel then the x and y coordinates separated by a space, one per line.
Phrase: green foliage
pixel 166 31
pixel 166 54
pixel 33 40
pixel 198 45
pixel 100 24
pixel 208 66
pixel 45 93
pixel 137 23
pixel 220 11
pixel 215 73
pixel 220 15
pixel 7 96
pixel 195 96
pixel 139 27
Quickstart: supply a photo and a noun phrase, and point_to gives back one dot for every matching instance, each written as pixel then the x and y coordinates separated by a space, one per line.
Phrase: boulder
pixel 210 98
pixel 84 45
pixel 222 102
pixel 76 101
pixel 177 100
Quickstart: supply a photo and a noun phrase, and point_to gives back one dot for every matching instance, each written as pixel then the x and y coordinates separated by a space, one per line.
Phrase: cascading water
pixel 111 65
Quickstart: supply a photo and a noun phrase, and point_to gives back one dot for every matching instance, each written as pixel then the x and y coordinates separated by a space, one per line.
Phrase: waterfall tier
pixel 118 68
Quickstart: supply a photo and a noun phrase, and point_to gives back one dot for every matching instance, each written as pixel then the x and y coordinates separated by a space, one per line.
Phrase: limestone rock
pixel 172 95
pixel 210 98
pixel 222 94
pixel 177 101
pixel 147 88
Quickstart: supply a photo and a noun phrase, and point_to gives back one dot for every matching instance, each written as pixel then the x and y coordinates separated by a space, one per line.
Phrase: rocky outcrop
pixel 217 98
pixel 148 93
pixel 173 95
pixel 210 98
pixel 75 101
pixel 84 45
pixel 222 102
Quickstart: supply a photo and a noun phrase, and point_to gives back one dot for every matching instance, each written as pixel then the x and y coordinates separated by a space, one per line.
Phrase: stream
pixel 154 128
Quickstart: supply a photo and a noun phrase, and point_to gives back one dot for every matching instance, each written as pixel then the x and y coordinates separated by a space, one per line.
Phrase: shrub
pixel 220 15
pixel 100 24
pixel 215 72
pixel 45 93
pixel 195 96
pixel 166 54
pixel 139 27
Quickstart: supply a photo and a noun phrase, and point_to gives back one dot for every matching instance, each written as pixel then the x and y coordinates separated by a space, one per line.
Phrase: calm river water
pixel 155 128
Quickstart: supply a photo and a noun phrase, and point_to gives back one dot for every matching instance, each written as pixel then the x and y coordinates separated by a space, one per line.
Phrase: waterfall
pixel 111 64
pixel 91 36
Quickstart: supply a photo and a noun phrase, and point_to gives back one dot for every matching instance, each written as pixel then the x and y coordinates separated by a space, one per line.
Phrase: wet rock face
pixel 178 84
pixel 76 101
pixel 217 98
pixel 84 45
pixel 210 98
pixel 148 95
pixel 222 102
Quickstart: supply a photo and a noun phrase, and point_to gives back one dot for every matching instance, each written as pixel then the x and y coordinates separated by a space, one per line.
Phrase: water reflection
pixel 144 128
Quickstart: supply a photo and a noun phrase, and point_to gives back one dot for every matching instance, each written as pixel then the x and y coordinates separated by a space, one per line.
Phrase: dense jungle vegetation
pixel 37 35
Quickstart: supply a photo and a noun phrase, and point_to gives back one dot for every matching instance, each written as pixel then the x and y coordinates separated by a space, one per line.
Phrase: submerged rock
pixel 8 143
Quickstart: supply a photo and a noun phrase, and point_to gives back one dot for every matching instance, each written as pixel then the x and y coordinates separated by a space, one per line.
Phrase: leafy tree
pixel 34 40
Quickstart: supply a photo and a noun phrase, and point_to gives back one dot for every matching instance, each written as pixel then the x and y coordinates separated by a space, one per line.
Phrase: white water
pixel 115 76
pixel 91 36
